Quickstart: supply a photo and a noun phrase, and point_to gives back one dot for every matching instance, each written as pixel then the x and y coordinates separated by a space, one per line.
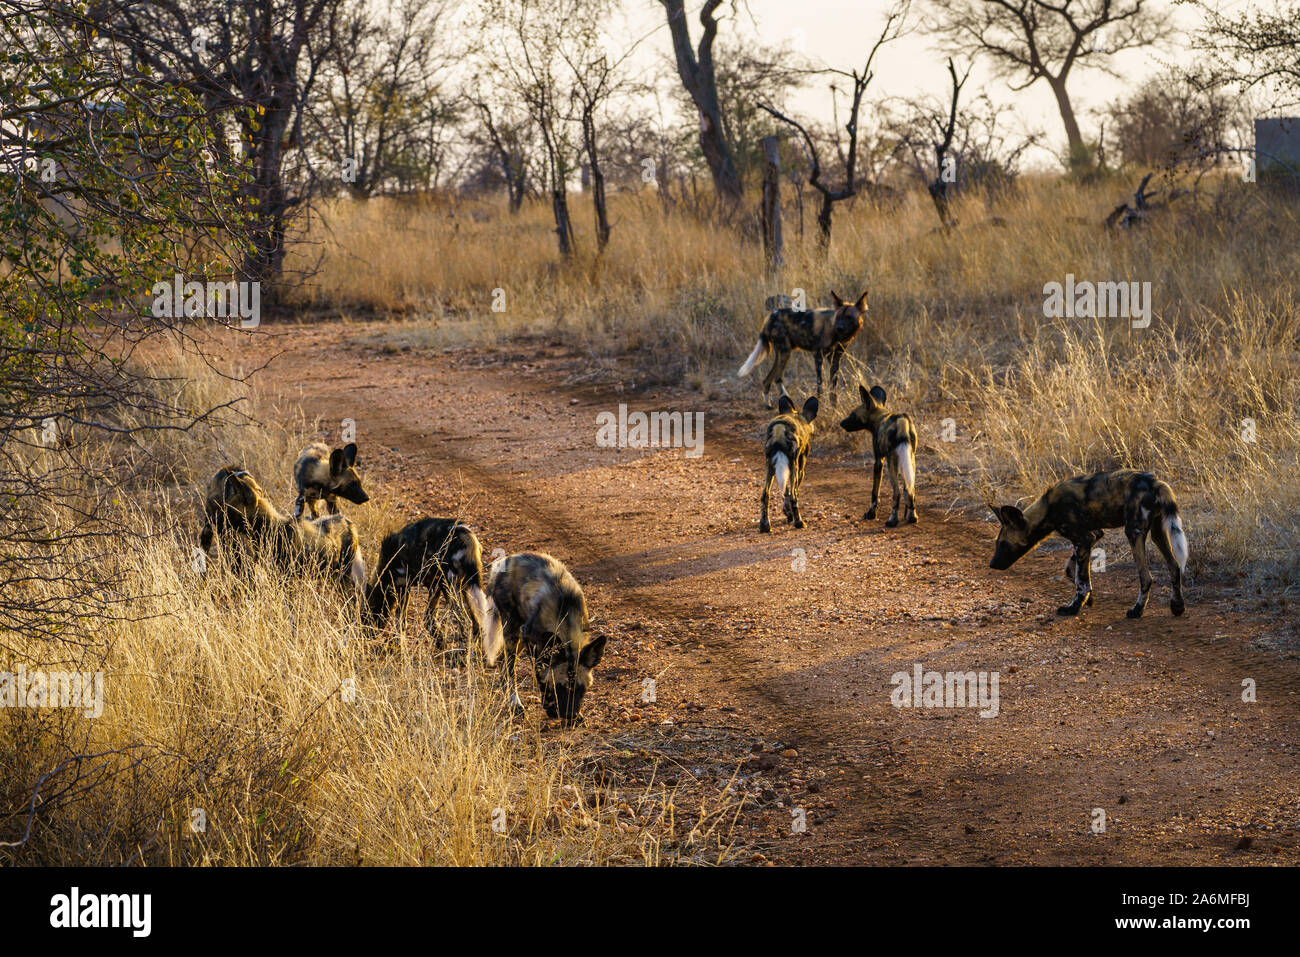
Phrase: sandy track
pixel 785 673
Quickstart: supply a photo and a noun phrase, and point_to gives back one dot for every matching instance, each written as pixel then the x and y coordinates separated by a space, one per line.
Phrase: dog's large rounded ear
pixel 784 405
pixel 336 462
pixel 1010 515
pixel 866 396
pixel 862 300
pixel 878 394
pixel 810 408
pixel 836 301
pixel 350 454
pixel 592 652
pixel 994 509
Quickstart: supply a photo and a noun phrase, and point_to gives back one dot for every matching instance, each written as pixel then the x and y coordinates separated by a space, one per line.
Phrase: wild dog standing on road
pixel 442 555
pixel 536 601
pixel 893 442
pixel 785 446
pixel 819 331
pixel 1079 509
pixel 237 506
pixel 320 473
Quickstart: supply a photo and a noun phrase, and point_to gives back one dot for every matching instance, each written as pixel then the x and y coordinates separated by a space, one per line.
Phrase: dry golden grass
pixel 956 328
pixel 256 707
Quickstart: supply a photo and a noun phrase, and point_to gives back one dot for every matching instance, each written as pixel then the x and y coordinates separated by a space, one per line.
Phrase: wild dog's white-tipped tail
pixel 781 472
pixel 479 606
pixel 1177 540
pixel 358 574
pixel 494 639
pixel 760 350
pixel 906 466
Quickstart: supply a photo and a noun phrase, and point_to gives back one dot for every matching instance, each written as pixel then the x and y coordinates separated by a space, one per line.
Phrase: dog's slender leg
pixel 508 668
pixel 1176 603
pixel 1069 564
pixel 763 525
pixel 909 488
pixel 837 352
pixel 1082 581
pixel 892 522
pixel 779 359
pixel 299 503
pixel 875 488
pixel 1138 539
pixel 817 363
pixel 795 482
pixel 331 505
pixel 778 369
pixel 431 615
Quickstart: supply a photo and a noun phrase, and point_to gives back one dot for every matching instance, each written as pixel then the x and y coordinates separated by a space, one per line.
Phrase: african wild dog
pixel 442 555
pixel 237 506
pixel 785 447
pixel 1079 508
pixel 322 474
pixel 819 331
pixel 893 441
pixel 535 600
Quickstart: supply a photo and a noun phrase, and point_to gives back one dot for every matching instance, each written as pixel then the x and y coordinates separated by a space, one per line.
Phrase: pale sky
pixel 840 34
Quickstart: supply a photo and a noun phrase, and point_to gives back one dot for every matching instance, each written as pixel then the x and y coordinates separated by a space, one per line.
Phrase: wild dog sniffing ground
pixel 762 667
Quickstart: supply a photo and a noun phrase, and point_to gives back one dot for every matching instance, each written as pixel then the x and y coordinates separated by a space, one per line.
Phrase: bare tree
pixel 695 66
pixel 1029 40
pixel 595 78
pixel 895 21
pixel 504 135
pixel 382 110
pixel 254 64
pixel 951 148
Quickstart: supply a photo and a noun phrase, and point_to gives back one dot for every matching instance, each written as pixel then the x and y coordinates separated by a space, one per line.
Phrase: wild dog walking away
pixel 536 601
pixel 237 506
pixel 822 332
pixel 1079 509
pixel 320 473
pixel 785 447
pixel 893 442
pixel 441 554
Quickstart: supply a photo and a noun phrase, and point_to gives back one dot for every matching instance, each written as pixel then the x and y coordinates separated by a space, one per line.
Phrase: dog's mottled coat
pixel 322 474
pixel 236 507
pixel 823 332
pixel 786 442
pixel 1079 508
pixel 538 604
pixel 440 554
pixel 893 443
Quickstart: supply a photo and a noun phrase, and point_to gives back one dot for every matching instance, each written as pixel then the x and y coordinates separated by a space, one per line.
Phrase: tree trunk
pixel 772 241
pixel 596 179
pixel 1072 134
pixel 563 224
pixel 824 222
pixel 698 78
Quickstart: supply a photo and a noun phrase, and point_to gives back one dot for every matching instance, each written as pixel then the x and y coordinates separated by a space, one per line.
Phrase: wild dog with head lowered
pixel 237 506
pixel 1079 509
pixel 441 554
pixel 893 442
pixel 537 602
pixel 320 473
pixel 822 332
pixel 785 447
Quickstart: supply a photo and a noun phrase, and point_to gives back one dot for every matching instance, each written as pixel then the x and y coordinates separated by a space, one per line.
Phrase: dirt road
pixel 774 654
